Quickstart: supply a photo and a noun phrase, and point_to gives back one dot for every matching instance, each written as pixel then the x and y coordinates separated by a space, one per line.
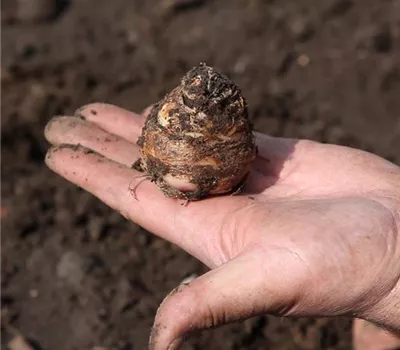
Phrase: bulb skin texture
pixel 198 140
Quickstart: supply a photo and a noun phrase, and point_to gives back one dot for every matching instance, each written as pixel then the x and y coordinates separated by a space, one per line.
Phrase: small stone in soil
pixel 72 268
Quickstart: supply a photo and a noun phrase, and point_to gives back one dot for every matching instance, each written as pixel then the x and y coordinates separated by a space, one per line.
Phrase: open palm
pixel 315 231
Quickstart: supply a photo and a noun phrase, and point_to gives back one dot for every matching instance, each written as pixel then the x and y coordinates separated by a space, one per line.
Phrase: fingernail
pixel 79 112
pixel 51 151
pixel 189 279
pixel 86 110
pixel 48 155
pixel 153 336
pixel 51 121
pixel 176 344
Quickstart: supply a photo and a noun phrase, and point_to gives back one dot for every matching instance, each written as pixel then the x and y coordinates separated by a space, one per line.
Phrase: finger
pixel 191 227
pixel 110 182
pixel 74 131
pixel 234 291
pixel 118 186
pixel 113 119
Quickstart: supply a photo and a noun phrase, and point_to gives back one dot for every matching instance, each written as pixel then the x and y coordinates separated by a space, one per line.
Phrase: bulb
pixel 198 140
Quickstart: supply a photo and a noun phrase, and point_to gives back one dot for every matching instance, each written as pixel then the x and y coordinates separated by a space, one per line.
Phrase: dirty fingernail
pixel 176 344
pixel 85 111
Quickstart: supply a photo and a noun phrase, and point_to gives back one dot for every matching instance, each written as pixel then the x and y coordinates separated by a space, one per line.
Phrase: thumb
pixel 236 290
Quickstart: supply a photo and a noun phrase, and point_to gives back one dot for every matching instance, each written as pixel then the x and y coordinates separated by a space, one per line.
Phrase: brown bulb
pixel 198 140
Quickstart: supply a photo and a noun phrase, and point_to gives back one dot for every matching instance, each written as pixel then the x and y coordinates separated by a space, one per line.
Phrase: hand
pixel 315 232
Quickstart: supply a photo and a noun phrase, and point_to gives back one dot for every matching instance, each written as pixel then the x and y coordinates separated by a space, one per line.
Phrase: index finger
pixel 115 120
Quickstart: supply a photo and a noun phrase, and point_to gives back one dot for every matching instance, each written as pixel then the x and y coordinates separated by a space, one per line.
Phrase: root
pixel 131 189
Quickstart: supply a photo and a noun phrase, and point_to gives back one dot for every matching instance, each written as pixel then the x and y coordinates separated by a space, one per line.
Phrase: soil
pixel 75 274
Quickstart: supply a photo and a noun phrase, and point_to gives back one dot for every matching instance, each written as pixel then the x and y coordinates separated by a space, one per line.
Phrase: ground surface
pixel 75 274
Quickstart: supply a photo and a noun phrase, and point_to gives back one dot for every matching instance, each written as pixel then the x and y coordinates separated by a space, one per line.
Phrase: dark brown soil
pixel 77 275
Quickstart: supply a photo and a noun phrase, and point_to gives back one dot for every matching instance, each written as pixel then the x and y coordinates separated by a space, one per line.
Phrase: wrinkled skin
pixel 315 232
